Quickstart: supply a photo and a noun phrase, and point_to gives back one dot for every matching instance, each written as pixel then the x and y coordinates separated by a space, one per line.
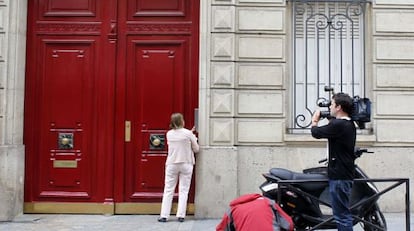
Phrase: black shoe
pixel 162 219
pixel 181 219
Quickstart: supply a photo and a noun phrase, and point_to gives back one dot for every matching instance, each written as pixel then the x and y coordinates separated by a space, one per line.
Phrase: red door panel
pixel 66 112
pixel 69 92
pixel 155 90
pixel 61 8
pixel 160 40
pixel 159 7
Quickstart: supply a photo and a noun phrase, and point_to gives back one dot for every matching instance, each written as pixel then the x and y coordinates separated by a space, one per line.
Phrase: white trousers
pixel 181 172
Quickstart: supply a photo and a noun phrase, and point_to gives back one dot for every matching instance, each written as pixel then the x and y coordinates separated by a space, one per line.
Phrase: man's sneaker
pixel 181 219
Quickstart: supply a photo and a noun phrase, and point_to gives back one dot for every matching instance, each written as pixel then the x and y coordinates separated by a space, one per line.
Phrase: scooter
pixel 305 197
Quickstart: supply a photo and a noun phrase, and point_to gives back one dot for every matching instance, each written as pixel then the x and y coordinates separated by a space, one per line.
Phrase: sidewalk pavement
pixel 64 222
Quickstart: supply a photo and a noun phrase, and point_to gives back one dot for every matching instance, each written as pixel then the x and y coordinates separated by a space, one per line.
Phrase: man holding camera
pixel 341 135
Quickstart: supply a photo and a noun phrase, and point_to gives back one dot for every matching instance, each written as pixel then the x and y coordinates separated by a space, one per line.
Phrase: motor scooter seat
pixel 285 174
pixel 282 173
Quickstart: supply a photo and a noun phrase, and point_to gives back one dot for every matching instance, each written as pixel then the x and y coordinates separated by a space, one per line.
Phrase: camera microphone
pixel 327 88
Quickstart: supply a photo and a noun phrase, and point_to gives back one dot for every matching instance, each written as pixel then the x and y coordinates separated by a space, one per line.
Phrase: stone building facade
pixel 245 100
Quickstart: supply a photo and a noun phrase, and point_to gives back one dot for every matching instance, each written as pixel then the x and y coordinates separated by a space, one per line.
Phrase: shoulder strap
pixel 282 218
pixel 230 223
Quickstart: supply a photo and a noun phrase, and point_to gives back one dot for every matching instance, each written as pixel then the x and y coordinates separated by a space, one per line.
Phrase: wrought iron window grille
pixel 328 50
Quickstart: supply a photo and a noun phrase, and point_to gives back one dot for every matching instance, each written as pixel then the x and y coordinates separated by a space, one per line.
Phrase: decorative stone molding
pixel 394 49
pixel 261 47
pixel 2 75
pixel 222 47
pixel 222 131
pixel 391 3
pixel 3 46
pixel 259 103
pixel 385 75
pixel 222 102
pixel 3 20
pixel 254 19
pixel 223 18
pixel 403 130
pixel 395 104
pixel 224 2
pixel 260 75
pixel 262 2
pixel 257 131
pixel 3 68
pixel 222 74
pixel 394 21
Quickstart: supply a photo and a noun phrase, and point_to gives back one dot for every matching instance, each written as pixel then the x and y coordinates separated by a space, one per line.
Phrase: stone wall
pixel 393 71
pixel 12 71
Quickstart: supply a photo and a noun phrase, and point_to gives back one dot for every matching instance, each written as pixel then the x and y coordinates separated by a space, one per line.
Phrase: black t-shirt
pixel 341 135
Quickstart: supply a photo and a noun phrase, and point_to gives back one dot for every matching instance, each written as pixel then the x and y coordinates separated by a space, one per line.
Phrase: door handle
pixel 127 131
pixel 157 141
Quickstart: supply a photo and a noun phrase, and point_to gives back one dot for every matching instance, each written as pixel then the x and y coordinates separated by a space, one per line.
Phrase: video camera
pixel 361 112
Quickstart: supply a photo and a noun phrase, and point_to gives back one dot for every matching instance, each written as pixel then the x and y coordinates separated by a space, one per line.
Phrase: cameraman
pixel 341 135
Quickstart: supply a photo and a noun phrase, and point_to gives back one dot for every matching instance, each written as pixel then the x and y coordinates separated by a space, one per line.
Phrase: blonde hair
pixel 177 121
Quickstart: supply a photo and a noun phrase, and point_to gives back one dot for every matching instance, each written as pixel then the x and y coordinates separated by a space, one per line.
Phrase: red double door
pixel 103 77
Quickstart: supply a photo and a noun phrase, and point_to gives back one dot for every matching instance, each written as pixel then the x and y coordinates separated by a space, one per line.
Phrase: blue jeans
pixel 340 191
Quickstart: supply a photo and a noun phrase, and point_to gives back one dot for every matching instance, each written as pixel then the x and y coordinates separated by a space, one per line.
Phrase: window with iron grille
pixel 328 51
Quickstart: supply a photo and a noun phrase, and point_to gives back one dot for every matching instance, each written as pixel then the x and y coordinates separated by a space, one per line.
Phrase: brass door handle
pixel 127 131
pixel 156 142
